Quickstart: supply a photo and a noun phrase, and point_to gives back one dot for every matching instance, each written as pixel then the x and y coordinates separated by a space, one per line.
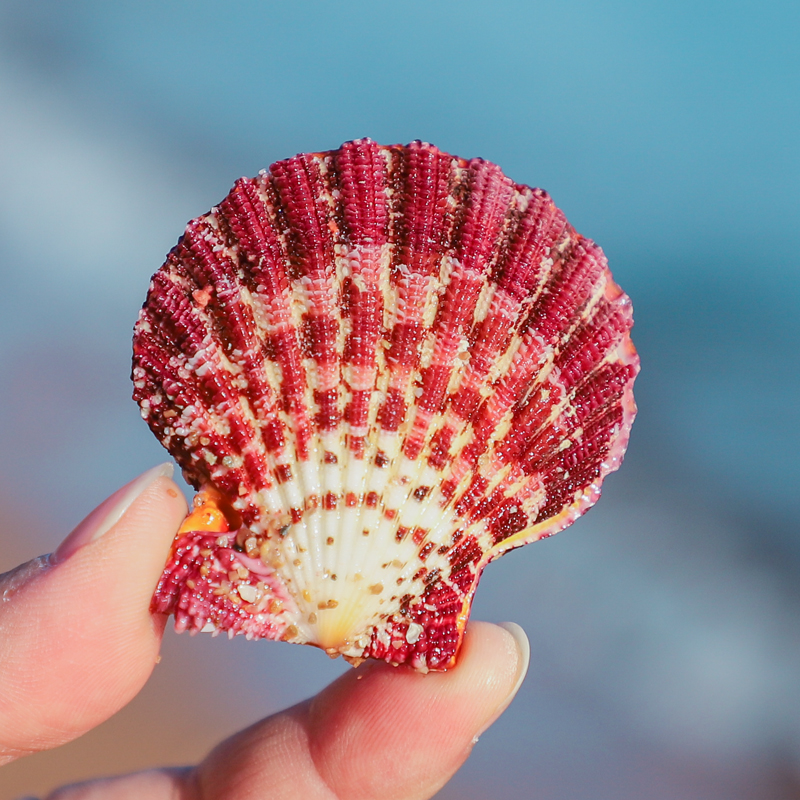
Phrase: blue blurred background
pixel 664 625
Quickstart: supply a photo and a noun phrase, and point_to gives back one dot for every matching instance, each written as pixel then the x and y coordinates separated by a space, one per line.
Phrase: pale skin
pixel 65 667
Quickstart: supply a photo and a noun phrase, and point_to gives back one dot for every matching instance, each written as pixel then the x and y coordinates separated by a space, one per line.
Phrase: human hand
pixel 77 642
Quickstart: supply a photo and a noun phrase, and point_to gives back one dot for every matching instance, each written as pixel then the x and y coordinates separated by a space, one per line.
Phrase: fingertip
pixel 105 517
pixel 419 728
pixel 491 667
pixel 150 523
pixel 117 573
pixel 377 731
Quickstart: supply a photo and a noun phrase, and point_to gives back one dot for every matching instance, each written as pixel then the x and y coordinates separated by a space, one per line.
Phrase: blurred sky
pixel 665 626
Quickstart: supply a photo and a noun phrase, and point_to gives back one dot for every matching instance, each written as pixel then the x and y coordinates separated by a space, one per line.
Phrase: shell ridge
pixel 280 348
pixel 307 244
pixel 523 378
pixel 364 211
pixel 497 214
pixel 333 485
pixel 595 307
pixel 291 378
pixel 213 395
pixel 396 471
pixel 486 204
pixel 437 220
pixel 502 212
pixel 229 310
pixel 494 338
pixel 271 289
pixel 422 209
pixel 264 278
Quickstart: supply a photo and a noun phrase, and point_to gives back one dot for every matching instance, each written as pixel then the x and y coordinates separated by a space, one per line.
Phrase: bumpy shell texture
pixel 383 367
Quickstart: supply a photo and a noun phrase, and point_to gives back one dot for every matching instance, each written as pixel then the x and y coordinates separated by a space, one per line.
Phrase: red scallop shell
pixel 386 366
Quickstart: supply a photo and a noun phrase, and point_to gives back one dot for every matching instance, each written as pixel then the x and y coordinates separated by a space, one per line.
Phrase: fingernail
pixel 13 580
pixel 523 659
pixel 109 512
pixel 524 651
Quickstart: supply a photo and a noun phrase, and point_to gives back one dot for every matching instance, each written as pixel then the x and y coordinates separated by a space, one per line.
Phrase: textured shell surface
pixel 382 367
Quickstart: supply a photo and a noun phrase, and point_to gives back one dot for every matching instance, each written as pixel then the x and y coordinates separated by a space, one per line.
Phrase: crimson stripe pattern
pixel 390 365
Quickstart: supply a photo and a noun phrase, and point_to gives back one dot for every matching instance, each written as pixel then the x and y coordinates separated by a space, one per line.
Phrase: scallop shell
pixel 383 367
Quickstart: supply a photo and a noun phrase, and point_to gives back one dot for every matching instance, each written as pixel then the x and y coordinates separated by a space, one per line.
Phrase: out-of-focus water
pixel 664 625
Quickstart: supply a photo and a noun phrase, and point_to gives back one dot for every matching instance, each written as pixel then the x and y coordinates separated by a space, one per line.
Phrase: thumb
pixel 77 640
